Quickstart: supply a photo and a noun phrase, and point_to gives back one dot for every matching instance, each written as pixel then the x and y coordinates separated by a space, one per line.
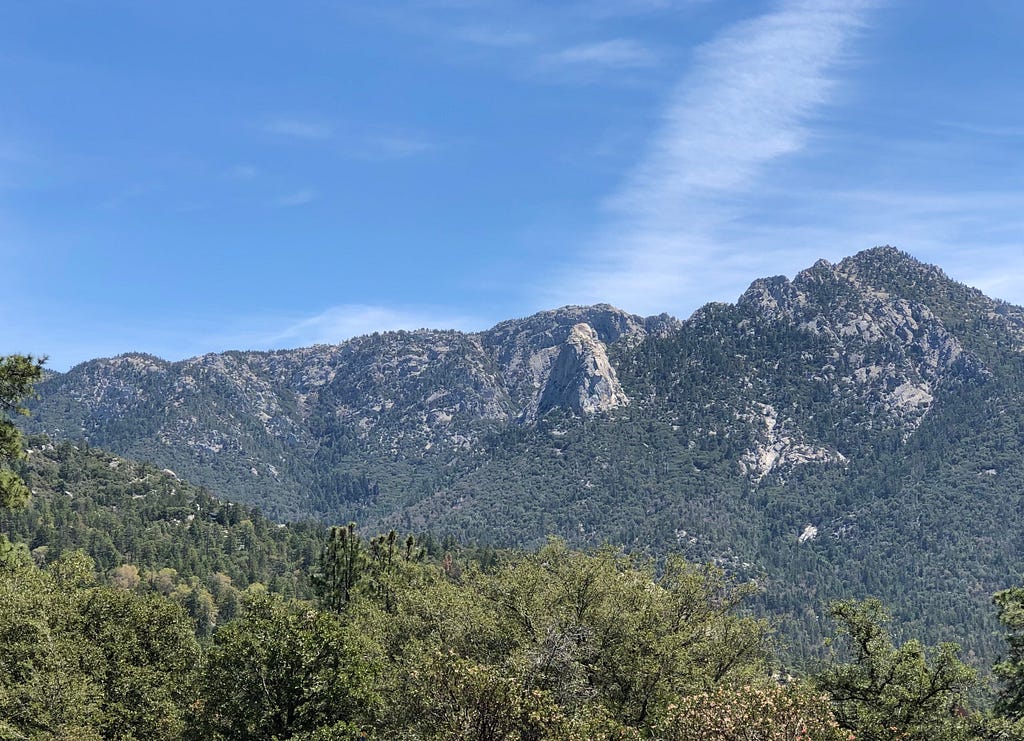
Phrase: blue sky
pixel 188 177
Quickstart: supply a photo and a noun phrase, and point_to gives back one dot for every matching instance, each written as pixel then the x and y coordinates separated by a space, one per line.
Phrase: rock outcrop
pixel 582 380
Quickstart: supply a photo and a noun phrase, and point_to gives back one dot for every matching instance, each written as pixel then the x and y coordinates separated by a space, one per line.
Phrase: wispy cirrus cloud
pixel 167 338
pixel 352 139
pixel 1013 131
pixel 339 323
pixel 296 198
pixel 299 128
pixel 536 40
pixel 493 36
pixel 747 103
pixel 614 53
pixel 619 8
pixel 241 172
pixel 976 236
pixel 388 146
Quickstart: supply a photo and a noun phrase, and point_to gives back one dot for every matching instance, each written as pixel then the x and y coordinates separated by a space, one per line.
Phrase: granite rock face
pixel 582 379
pixel 526 350
pixel 259 416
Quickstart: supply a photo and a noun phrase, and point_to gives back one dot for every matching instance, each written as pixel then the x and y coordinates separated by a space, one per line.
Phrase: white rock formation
pixel 582 379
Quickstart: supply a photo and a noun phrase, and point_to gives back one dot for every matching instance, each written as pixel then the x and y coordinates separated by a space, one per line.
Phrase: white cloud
pixel 617 8
pixel 130 194
pixel 343 322
pixel 377 141
pixel 615 53
pixel 300 129
pixel 495 37
pixel 393 146
pixel 977 237
pixel 171 340
pixel 242 172
pixel 748 102
pixel 984 129
pixel 298 198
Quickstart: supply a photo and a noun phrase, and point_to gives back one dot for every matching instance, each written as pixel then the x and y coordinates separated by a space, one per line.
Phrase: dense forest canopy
pixel 555 644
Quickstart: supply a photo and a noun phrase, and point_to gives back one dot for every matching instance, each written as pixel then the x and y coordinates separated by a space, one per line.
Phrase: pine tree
pixel 18 373
pixel 341 566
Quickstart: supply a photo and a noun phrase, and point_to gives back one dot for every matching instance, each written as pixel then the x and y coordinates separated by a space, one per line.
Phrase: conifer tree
pixel 1010 670
pixel 18 373
pixel 341 566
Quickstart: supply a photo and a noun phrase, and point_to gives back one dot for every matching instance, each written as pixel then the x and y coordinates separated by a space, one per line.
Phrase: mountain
pixel 278 429
pixel 856 430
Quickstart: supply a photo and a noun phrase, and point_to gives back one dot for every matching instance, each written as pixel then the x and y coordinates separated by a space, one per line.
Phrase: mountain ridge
pixel 817 434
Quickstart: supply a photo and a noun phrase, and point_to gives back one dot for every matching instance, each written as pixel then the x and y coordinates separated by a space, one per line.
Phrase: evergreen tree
pixel 282 670
pixel 18 373
pixel 887 692
pixel 340 568
pixel 1010 670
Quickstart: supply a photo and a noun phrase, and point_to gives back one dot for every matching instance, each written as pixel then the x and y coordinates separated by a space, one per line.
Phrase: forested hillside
pixel 557 644
pixel 401 641
pixel 122 512
pixel 854 431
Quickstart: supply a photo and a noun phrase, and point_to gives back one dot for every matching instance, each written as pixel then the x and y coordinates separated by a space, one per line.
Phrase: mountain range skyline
pixel 663 318
pixel 244 178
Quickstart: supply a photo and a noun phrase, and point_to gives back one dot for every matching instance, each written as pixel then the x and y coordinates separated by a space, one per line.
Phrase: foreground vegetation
pixel 556 644
pixel 259 632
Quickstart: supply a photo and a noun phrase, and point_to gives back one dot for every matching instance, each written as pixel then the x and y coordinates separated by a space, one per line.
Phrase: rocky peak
pixel 888 270
pixel 548 328
pixel 867 333
pixel 113 385
pixel 139 361
pixel 662 325
pixel 582 379
pixel 772 296
pixel 527 350
pixel 892 272
pixel 887 259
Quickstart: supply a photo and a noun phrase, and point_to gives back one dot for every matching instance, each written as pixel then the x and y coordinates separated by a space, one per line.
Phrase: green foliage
pixel 1010 670
pixel 340 567
pixel 434 430
pixel 143 656
pixel 81 661
pixel 282 670
pixel 149 531
pixel 884 691
pixel 554 644
pixel 18 374
pixel 769 712
pixel 603 624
